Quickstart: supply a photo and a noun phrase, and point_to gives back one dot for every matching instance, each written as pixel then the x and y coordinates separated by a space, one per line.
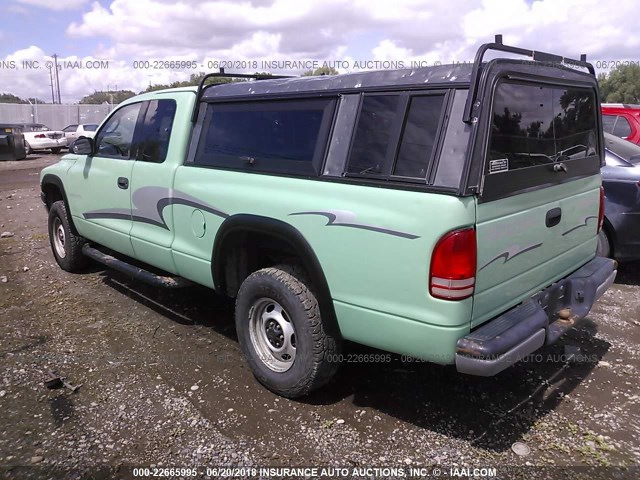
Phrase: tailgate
pixel 537 216
pixel 518 254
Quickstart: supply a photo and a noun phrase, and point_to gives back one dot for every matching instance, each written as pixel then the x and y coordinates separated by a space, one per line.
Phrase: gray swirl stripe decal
pixel 149 203
pixel 345 218
pixel 511 253
pixel 583 224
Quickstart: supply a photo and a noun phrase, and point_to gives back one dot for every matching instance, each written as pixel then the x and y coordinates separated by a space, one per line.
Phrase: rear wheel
pixel 66 247
pixel 56 150
pixel 604 244
pixel 282 334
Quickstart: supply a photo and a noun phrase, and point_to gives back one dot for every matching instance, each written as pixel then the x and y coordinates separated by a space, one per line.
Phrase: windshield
pixel 92 127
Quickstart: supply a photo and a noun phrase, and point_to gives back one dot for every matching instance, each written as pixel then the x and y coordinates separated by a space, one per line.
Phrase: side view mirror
pixel 82 146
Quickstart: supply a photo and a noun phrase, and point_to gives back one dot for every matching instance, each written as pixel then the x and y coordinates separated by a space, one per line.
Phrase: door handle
pixel 123 183
pixel 560 167
pixel 553 217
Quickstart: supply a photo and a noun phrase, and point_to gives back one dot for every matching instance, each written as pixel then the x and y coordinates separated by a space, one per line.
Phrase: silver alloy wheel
pixel 272 334
pixel 57 233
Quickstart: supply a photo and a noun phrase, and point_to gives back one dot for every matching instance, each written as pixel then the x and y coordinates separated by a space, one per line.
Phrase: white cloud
pixel 388 50
pixel 257 30
pixel 569 27
pixel 317 28
pixel 76 79
pixel 156 29
pixel 565 27
pixel 55 4
pixel 17 9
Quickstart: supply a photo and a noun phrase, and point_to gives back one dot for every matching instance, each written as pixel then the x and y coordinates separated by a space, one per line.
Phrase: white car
pixel 40 137
pixel 73 132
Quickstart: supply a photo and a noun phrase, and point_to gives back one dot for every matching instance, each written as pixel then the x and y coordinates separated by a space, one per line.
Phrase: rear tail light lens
pixel 453 265
pixel 601 211
pixel 41 135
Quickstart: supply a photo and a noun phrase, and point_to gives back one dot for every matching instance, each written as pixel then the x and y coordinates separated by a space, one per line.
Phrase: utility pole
pixel 53 99
pixel 55 62
pixel 34 115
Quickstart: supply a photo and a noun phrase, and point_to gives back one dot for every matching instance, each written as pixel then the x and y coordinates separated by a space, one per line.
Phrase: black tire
pixel 316 352
pixel 66 247
pixel 56 150
pixel 604 244
pixel 27 148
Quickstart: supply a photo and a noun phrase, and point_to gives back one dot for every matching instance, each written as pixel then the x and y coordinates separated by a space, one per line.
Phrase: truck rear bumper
pixel 540 320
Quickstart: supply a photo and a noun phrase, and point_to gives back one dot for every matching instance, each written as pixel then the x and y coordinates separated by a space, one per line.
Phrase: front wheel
pixel 282 334
pixel 27 148
pixel 66 246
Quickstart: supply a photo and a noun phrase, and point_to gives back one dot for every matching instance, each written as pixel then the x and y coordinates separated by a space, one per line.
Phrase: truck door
pixel 158 155
pixel 100 183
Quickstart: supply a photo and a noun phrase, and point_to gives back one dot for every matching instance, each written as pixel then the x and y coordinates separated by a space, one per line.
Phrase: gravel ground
pixel 162 382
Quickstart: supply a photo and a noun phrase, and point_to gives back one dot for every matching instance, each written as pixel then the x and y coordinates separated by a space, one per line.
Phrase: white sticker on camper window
pixel 499 165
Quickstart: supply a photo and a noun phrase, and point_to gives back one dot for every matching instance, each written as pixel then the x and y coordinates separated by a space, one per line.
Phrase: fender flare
pixel 50 179
pixel 282 231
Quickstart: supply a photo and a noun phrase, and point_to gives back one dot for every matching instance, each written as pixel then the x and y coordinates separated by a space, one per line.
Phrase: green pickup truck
pixel 448 213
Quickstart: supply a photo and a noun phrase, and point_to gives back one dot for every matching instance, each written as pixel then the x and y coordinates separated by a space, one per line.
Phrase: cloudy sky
pixel 120 34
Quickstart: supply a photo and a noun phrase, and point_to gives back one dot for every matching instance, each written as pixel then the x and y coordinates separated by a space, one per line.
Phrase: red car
pixel 622 120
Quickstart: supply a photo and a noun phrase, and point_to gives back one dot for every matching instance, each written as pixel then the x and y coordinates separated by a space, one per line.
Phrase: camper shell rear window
pixel 540 135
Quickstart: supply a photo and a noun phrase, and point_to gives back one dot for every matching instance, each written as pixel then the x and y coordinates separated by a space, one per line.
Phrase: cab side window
pixel 115 138
pixel 154 131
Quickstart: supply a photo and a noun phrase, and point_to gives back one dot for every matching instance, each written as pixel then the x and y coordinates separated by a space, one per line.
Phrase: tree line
pixel 620 85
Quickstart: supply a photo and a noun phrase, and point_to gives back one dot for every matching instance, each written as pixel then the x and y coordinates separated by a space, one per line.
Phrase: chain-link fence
pixel 55 117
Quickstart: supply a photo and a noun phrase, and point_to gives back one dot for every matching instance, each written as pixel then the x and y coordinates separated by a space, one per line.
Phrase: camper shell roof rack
pixel 460 74
pixel 537 56
pixel 221 74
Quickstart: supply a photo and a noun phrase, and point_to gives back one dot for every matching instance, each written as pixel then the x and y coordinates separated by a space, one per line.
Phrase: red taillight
pixel 41 135
pixel 601 211
pixel 453 265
